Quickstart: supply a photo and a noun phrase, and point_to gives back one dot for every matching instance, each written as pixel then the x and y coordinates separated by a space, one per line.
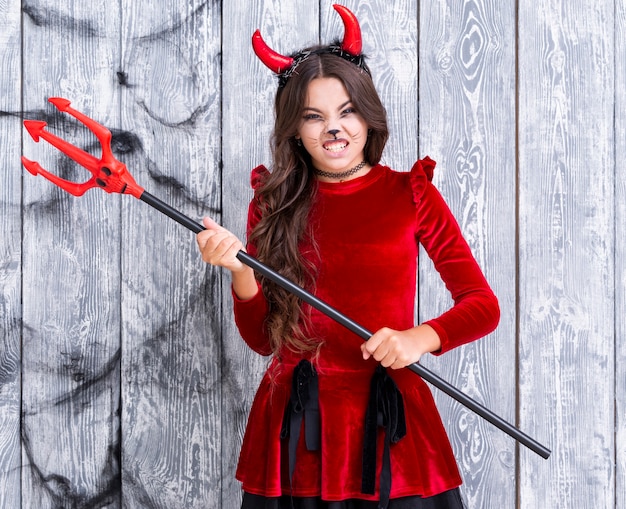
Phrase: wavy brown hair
pixel 286 195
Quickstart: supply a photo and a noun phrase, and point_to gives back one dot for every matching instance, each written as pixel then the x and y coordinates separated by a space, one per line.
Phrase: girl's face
pixel 332 131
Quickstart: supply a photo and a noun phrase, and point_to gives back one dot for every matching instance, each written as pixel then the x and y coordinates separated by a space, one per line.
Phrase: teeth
pixel 336 147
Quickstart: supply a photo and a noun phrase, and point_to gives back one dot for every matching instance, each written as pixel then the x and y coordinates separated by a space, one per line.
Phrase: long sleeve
pixel 250 319
pixel 475 312
pixel 250 315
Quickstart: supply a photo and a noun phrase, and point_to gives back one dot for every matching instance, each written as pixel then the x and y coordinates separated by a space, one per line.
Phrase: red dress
pixel 367 230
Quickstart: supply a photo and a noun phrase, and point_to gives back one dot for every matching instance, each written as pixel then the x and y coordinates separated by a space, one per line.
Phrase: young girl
pixel 336 423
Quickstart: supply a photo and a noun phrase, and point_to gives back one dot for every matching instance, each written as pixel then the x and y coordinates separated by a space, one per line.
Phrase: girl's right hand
pixel 219 246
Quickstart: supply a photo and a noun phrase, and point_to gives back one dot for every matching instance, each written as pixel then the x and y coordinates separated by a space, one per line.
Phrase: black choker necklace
pixel 340 176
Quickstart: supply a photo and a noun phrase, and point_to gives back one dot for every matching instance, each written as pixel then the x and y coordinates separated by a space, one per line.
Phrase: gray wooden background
pixel 123 383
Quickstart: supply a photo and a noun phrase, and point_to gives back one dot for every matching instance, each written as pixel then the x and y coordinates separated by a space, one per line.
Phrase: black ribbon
pixel 303 404
pixel 385 409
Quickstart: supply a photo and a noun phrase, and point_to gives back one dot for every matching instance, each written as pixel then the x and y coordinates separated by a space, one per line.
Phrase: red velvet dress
pixel 367 230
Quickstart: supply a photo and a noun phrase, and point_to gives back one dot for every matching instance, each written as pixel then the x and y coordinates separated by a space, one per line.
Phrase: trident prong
pixel 109 174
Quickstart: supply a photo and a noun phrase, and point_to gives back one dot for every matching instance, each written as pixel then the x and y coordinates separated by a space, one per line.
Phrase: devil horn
pixel 275 61
pixel 352 42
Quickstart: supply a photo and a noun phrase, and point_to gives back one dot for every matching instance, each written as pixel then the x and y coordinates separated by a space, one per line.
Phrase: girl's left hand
pixel 397 349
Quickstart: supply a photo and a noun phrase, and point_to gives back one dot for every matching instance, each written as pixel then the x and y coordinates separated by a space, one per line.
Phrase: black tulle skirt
pixel 446 500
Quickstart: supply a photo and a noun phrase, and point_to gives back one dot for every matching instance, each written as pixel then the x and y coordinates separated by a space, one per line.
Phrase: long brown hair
pixel 286 195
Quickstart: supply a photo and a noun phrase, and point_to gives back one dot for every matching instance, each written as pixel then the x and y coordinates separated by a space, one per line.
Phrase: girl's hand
pixel 219 247
pixel 397 349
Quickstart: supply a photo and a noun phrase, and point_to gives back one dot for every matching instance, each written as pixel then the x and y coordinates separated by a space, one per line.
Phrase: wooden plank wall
pixel 10 256
pixel 566 251
pixel 171 351
pixel 123 382
pixel 467 124
pixel 70 270
pixel 620 253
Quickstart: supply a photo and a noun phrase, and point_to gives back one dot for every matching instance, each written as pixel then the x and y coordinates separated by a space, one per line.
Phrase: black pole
pixel 360 331
pixel 186 221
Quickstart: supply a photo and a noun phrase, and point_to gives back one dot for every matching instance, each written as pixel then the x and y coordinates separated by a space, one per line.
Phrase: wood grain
pixel 171 341
pixel 70 381
pixel 467 124
pixel 620 254
pixel 566 306
pixel 10 256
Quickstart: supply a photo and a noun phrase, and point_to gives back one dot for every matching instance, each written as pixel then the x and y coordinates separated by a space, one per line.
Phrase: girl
pixel 336 423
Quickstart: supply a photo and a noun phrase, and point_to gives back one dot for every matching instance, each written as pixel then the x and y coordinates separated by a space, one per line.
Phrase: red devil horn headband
pixel 351 44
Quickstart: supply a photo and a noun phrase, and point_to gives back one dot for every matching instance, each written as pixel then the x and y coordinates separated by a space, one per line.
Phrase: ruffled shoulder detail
pixel 258 176
pixel 421 173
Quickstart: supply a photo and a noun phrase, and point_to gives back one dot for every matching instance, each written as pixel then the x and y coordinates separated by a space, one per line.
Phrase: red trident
pixel 112 176
pixel 109 174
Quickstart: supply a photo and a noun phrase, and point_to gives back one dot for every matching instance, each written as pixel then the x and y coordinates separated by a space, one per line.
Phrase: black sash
pixel 385 409
pixel 303 403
